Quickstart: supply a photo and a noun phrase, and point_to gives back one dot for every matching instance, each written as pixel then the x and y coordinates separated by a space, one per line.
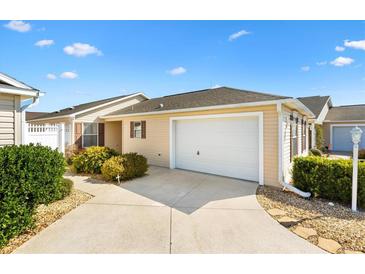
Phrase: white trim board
pixel 342 125
pixel 260 116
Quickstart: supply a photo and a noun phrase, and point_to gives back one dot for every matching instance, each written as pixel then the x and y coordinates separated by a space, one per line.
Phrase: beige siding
pixel 156 145
pixel 7 119
pixel 93 116
pixel 113 135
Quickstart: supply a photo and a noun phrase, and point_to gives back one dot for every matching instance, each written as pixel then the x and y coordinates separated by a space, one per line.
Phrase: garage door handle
pixel 197 153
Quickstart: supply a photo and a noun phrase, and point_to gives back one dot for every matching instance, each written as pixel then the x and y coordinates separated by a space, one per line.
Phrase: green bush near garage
pixel 29 175
pixel 92 159
pixel 127 166
pixel 328 178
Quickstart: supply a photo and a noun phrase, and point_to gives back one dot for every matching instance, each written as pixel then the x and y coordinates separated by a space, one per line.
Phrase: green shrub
pixel 112 168
pixel 362 154
pixel 319 136
pixel 315 152
pixel 65 187
pixel 127 166
pixel 135 165
pixel 29 175
pixel 91 159
pixel 330 179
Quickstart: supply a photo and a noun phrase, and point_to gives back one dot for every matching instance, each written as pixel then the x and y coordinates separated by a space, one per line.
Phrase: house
pixel 337 126
pixel 336 122
pixel 224 131
pixel 15 97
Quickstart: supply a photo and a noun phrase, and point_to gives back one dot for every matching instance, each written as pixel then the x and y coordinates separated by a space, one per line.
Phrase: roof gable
pixel 315 103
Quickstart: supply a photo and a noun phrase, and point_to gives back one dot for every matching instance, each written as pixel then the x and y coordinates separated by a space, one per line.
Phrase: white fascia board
pixel 22 92
pixel 344 121
pixel 11 81
pixel 301 107
pixel 252 104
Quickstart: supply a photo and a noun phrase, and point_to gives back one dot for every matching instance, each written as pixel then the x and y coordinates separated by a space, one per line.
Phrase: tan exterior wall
pixel 156 145
pixel 113 135
pixel 7 119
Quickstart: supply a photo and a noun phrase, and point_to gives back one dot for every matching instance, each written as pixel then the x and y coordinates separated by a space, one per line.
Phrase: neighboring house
pixel 15 97
pixel 224 131
pixel 30 115
pixel 337 122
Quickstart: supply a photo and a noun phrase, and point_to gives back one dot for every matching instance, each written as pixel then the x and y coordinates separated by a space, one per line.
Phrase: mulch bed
pixel 46 215
pixel 336 222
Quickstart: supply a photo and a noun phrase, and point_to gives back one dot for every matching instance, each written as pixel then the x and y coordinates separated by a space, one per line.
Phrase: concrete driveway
pixel 168 211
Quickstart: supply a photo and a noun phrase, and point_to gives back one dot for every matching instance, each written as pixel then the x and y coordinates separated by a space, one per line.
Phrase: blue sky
pixel 110 58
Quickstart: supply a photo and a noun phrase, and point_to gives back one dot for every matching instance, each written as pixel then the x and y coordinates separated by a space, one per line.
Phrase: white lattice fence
pixel 52 135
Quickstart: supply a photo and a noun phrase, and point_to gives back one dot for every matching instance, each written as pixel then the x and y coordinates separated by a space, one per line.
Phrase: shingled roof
pixel 78 108
pixel 346 113
pixel 200 98
pixel 315 103
pixel 30 115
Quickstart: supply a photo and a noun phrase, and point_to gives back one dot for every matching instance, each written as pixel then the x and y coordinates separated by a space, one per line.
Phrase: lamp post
pixel 356 138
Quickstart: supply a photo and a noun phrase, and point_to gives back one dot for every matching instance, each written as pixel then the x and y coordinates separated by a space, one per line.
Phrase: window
pixel 293 138
pixel 138 129
pixel 304 136
pixel 90 134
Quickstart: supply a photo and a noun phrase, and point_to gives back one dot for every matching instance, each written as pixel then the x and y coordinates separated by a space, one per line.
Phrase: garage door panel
pixel 341 138
pixel 227 146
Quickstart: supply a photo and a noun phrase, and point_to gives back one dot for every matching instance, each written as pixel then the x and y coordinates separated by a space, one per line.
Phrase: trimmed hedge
pixel 315 152
pixel 91 159
pixel 29 175
pixel 127 166
pixel 330 179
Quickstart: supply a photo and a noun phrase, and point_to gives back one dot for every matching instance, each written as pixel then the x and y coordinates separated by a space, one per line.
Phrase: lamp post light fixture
pixel 356 138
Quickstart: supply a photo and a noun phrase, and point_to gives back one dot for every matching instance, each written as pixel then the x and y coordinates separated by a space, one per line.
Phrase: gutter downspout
pixel 280 154
pixel 35 101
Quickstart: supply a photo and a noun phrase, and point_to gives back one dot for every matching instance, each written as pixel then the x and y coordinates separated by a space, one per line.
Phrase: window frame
pixel 134 129
pixel 83 134
pixel 294 135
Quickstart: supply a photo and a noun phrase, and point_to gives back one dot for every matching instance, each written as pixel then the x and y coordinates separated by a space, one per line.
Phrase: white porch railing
pixel 52 135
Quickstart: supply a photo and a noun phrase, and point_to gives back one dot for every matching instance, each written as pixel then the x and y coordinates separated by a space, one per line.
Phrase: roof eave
pixel 250 104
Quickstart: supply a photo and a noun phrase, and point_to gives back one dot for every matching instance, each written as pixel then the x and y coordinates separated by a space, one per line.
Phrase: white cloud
pixel 81 50
pixel 177 71
pixel 321 63
pixel 44 43
pixel 338 48
pixel 355 44
pixel 342 61
pixel 305 68
pixel 69 75
pixel 238 34
pixel 51 76
pixel 20 26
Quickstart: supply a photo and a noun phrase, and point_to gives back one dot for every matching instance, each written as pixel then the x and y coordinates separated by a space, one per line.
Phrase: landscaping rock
pixel 304 232
pixel 328 245
pixel 287 221
pixel 353 252
pixel 276 212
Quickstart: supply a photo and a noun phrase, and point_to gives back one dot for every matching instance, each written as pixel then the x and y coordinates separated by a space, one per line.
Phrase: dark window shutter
pixel 78 135
pixel 131 129
pixel 101 133
pixel 143 129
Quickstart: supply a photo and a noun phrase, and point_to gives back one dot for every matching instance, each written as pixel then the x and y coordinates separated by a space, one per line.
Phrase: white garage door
pixel 341 138
pixel 222 146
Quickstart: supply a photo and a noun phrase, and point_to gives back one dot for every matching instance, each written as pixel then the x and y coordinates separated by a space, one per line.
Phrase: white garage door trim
pixel 342 125
pixel 260 116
